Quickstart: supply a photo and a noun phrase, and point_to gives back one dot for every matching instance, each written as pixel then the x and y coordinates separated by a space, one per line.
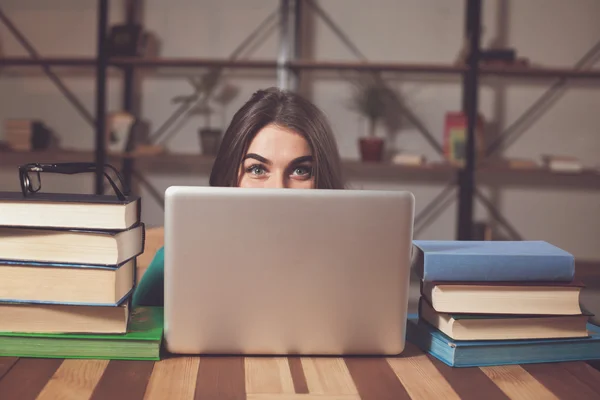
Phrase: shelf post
pixel 101 63
pixel 285 44
pixel 466 175
pixel 132 14
pixel 296 40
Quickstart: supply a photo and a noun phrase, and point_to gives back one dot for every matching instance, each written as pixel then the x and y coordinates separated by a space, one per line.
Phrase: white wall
pixel 550 32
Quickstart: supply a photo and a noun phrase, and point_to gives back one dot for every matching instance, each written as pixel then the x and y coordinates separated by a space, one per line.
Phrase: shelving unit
pixel 289 66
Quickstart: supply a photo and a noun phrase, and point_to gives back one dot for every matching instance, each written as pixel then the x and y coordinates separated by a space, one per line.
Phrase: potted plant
pixel 375 101
pixel 210 137
pixel 204 87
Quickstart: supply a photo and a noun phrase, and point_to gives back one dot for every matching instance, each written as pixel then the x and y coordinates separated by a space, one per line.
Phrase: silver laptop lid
pixel 286 271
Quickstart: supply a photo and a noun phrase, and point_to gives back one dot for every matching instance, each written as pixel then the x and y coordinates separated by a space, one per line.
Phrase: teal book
pixel 141 342
pixel 456 353
pixel 491 261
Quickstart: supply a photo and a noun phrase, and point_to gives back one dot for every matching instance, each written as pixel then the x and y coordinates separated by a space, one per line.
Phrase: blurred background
pixel 486 111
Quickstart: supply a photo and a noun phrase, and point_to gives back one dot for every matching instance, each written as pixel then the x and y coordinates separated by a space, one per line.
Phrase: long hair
pixel 286 109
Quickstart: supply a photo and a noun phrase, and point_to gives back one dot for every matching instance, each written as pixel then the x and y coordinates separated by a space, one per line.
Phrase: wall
pixel 396 31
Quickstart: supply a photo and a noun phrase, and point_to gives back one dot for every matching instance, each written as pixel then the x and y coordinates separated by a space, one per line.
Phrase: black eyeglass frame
pixel 69 169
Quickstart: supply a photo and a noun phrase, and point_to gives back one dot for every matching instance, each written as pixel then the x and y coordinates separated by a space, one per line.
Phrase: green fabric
pixel 150 290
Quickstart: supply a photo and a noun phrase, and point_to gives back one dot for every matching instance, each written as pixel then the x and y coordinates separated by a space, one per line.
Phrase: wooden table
pixel 412 375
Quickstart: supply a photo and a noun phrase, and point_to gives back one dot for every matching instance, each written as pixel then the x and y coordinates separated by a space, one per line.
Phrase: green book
pixel 141 342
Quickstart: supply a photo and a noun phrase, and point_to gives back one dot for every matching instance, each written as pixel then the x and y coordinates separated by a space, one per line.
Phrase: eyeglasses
pixel 29 175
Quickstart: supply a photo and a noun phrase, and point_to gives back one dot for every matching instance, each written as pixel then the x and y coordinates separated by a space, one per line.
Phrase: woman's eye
pixel 255 170
pixel 302 171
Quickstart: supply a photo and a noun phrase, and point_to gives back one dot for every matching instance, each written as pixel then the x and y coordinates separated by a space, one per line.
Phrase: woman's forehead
pixel 279 144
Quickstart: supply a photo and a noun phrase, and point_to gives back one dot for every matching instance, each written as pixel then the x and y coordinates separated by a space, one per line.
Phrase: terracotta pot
pixel 371 149
pixel 210 140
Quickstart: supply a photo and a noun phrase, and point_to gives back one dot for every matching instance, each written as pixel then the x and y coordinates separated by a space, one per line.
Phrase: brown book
pixel 67 284
pixel 502 326
pixel 71 246
pixel 58 318
pixel 69 211
pixel 550 298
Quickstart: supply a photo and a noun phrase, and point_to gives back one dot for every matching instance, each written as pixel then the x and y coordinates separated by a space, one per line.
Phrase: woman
pixel 276 140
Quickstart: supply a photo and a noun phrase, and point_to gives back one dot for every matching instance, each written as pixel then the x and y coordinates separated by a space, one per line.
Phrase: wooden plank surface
pixel 560 382
pixel 420 377
pixel 413 375
pixel 298 377
pixel 266 375
pixel 469 383
pixel 517 383
pixel 173 378
pixel 222 378
pixel 584 373
pixel 124 380
pixel 375 379
pixel 27 378
pixel 328 376
pixel 74 379
pixel 6 364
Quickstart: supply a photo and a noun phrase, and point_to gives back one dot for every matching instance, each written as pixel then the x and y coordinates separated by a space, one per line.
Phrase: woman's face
pixel 277 158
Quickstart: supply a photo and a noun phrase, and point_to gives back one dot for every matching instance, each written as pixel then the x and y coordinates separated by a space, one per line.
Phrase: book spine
pixel 485 268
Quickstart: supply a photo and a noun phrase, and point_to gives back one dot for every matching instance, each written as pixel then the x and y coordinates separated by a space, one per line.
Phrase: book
pixel 455 137
pixel 466 353
pixel 489 261
pixel 554 298
pixel 27 135
pixel 72 246
pixel 561 163
pixel 408 159
pixel 66 283
pixel 142 341
pixel 70 211
pixel 504 327
pixel 61 318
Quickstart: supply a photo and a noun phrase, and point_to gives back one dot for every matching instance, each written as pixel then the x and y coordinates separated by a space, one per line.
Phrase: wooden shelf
pixel 432 172
pixel 192 62
pixel 16 158
pixel 535 171
pixel 137 62
pixel 51 61
pixel 186 164
pixel 183 62
pixel 539 72
pixel 505 176
pixel 169 163
pixel 179 163
pixel 300 65
pixel 377 66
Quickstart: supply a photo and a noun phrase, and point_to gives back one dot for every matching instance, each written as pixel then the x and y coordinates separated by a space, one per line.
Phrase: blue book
pixel 456 353
pixel 491 261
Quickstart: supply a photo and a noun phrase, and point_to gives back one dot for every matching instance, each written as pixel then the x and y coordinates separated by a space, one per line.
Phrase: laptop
pixel 286 271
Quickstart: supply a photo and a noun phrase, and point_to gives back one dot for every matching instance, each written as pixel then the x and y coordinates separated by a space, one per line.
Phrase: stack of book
pixel 26 134
pixel 67 274
pixel 499 302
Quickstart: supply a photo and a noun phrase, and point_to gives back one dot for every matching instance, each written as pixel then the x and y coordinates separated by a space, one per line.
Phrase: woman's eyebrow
pixel 302 159
pixel 257 157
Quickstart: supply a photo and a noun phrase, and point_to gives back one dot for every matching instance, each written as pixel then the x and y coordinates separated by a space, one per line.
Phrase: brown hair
pixel 286 109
